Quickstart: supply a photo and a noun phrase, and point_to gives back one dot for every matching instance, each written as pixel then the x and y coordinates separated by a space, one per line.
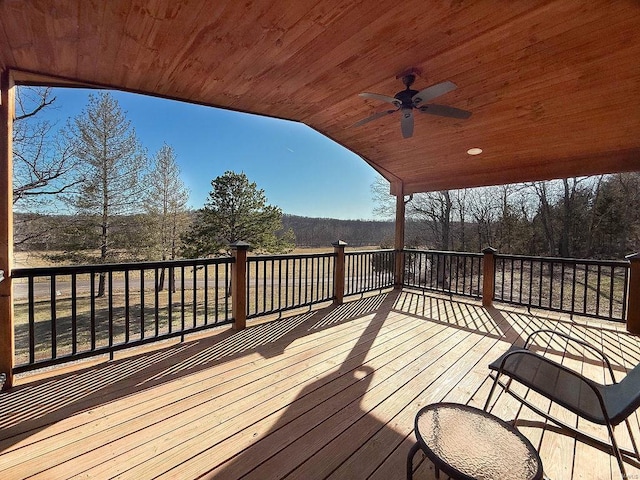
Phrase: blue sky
pixel 300 170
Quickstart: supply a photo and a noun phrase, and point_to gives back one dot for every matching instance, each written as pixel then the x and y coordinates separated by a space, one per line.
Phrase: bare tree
pixel 43 166
pixel 384 202
pixel 435 210
pixel 461 207
pixel 112 166
pixel 166 205
pixel 484 213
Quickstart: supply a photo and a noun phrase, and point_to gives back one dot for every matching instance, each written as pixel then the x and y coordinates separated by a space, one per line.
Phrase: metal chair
pixel 608 404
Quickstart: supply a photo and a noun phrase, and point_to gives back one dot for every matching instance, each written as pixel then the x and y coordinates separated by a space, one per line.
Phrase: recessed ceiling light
pixel 474 151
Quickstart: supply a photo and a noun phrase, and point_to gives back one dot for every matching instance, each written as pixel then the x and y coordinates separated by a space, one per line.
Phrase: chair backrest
pixel 623 398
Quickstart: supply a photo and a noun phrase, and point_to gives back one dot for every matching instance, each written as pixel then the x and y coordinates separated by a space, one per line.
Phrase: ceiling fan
pixel 407 100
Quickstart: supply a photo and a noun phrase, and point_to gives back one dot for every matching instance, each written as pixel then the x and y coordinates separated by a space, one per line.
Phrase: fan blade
pixel 383 98
pixel 373 117
pixel 444 111
pixel 432 92
pixel 406 122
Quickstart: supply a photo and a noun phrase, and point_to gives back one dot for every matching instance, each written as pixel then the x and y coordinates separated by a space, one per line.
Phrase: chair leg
pixel 616 451
pixel 633 440
pixel 412 453
pixel 493 387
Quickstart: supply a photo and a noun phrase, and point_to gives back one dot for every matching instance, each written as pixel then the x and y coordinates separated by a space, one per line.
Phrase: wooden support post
pixel 339 272
pixel 239 285
pixel 633 294
pixel 488 276
pixel 7 111
pixel 399 238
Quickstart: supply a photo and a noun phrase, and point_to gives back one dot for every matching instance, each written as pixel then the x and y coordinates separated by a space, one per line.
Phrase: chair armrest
pixel 553 333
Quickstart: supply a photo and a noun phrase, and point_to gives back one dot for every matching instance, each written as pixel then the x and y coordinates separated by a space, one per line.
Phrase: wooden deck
pixel 326 394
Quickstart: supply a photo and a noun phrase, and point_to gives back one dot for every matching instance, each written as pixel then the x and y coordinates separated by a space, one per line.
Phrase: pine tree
pixel 236 210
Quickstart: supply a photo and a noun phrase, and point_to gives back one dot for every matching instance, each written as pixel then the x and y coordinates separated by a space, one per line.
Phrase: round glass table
pixel 468 443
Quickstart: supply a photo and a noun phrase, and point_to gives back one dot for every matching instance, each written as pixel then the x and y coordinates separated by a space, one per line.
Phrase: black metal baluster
pixel 170 280
pixel 540 284
pixel 205 280
pixel 286 282
pixel 598 284
pixel 511 270
pixel 573 289
pixel 127 313
pixel 550 285
pixel 521 280
pixel 264 286
pixel 183 320
pixel 110 312
pixel 156 301
pixel 586 282
pixel 142 306
pixel 93 311
pixel 562 268
pixel 611 280
pixel 54 326
pixel 74 314
pixel 194 306
pixel 32 323
pixel 273 284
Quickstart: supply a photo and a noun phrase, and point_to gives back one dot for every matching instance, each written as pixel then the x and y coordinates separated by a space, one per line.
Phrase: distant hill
pixel 48 232
pixel 321 232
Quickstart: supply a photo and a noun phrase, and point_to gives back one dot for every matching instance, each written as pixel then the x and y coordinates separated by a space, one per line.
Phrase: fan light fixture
pixel 474 151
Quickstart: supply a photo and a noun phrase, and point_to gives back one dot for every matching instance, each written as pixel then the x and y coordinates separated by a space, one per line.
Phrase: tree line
pixel 322 232
pixel 307 232
pixel 586 217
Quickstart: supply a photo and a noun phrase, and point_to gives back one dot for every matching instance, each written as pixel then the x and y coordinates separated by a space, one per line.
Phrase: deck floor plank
pixel 400 383
pixel 384 443
pixel 307 409
pixel 312 408
pixel 330 394
pixel 202 393
pixel 400 408
pixel 211 406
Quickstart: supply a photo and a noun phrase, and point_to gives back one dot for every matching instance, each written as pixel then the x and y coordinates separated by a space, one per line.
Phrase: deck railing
pixel 68 313
pixel 368 271
pixel 458 273
pixel 592 288
pixel 60 315
pixel 284 282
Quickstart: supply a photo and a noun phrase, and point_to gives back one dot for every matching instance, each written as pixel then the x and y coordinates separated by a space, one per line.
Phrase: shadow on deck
pixel 326 394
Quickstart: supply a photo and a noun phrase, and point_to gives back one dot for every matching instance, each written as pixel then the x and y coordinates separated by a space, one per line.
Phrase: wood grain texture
pixel 329 394
pixel 7 330
pixel 552 84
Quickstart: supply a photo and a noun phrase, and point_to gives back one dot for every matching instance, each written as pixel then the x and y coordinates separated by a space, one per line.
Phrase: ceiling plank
pixel 551 84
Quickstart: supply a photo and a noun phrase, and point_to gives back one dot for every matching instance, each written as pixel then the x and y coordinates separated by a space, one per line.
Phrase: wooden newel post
pixel 7 110
pixel 338 272
pixel 488 276
pixel 239 284
pixel 633 294
pixel 398 274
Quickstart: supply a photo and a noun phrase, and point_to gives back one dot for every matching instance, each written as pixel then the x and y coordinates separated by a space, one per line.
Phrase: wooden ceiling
pixel 554 86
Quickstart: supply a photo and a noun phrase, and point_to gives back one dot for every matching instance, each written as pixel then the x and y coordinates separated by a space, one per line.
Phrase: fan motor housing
pixel 406 97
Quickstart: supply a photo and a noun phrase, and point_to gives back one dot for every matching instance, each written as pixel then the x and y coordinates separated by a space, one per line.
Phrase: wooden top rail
pixel 115 267
pixel 443 252
pixel 586 261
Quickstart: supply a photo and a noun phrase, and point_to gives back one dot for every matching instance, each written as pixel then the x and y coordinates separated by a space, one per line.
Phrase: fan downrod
pixel 408 80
